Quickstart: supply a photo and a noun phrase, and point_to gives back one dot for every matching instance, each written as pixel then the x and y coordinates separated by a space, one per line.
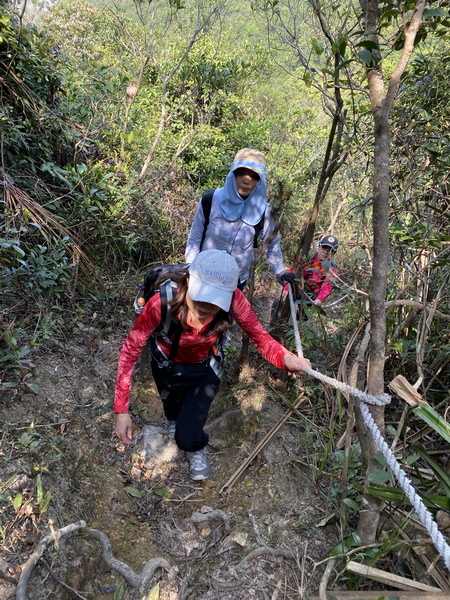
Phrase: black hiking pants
pixel 187 391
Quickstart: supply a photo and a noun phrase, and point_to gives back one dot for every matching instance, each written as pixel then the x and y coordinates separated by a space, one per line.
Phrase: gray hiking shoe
pixel 198 464
pixel 170 427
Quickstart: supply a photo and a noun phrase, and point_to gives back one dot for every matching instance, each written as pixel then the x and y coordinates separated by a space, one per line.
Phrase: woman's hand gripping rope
pixel 297 364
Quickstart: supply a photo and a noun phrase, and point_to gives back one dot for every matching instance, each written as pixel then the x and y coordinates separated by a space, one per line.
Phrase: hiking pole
pixel 298 343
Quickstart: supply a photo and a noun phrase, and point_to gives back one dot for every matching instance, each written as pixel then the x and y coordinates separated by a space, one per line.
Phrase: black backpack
pixel 206 201
pixel 163 279
pixel 153 279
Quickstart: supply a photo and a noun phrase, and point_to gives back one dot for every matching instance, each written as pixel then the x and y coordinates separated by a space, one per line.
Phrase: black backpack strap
pixel 167 329
pixel 206 201
pixel 258 229
pixel 166 290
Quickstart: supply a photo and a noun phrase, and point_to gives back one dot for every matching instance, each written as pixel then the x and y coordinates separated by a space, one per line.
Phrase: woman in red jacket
pixel 203 309
pixel 320 272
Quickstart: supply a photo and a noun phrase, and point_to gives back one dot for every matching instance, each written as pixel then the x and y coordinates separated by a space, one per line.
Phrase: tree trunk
pixel 370 511
pixel 381 105
pixel 333 159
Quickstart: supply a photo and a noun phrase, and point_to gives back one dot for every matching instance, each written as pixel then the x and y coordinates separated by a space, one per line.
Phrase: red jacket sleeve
pixel 150 318
pixel 132 347
pixel 246 318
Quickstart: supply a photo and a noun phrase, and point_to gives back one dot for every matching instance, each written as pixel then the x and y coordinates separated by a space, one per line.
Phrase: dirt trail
pixel 273 515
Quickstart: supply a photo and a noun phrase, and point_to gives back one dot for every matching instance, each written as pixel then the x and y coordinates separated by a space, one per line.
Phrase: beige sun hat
pixel 253 156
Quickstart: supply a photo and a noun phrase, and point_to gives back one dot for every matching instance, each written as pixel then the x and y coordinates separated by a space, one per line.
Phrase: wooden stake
pixel 405 390
pixel 380 595
pixel 395 581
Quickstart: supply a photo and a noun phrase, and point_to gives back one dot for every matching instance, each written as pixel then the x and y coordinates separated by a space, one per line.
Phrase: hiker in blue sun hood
pixel 235 216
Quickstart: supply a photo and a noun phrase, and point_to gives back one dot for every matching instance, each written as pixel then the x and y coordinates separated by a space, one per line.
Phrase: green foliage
pixel 91 36
pixel 434 420
pixel 34 134
pixel 210 99
pixel 354 487
pixel 397 496
pixel 351 542
pixel 435 490
pixel 201 92
pixel 30 499
pixel 15 365
pixel 30 118
pixel 423 104
pixel 418 221
pixel 40 270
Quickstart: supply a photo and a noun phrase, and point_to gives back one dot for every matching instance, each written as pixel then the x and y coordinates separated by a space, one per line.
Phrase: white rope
pixel 424 514
pixel 298 343
pixel 340 385
pixel 344 387
pixel 336 301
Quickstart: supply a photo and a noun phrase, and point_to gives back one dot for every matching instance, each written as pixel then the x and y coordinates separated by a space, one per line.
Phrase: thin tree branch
pixel 410 36
pixel 27 569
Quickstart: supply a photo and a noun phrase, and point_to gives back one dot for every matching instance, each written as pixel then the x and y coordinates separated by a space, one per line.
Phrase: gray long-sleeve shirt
pixel 235 237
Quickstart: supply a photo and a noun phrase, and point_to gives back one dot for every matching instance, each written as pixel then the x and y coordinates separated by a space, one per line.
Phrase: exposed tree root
pixel 325 578
pixel 265 551
pixel 226 586
pixel 135 580
pixel 122 568
pixel 199 517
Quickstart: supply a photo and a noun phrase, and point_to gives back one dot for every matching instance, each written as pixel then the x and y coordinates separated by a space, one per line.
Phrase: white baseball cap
pixel 213 278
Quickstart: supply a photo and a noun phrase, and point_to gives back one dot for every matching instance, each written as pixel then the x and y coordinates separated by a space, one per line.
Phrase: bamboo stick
pixel 232 480
pixel 380 595
pixel 402 583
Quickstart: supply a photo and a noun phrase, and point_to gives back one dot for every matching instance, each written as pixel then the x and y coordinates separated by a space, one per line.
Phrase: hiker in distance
pixel 204 306
pixel 319 272
pixel 232 218
pixel 314 280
